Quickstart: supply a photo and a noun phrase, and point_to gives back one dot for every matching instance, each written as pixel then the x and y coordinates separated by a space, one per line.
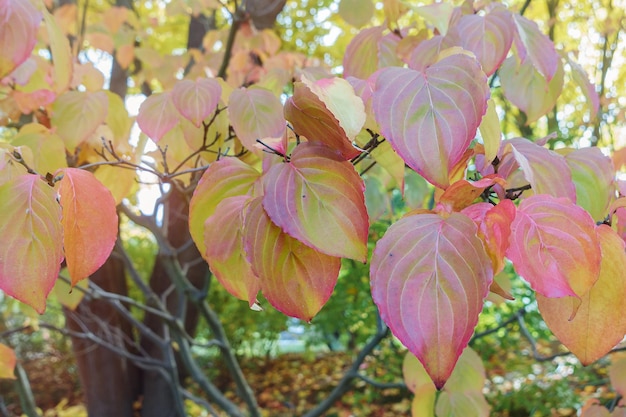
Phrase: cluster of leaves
pixel 281 201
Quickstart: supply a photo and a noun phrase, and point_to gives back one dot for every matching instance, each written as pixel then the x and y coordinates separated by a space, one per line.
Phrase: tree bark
pixel 109 381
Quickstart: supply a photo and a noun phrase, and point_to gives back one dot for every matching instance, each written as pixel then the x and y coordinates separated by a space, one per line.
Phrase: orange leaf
pixel 8 360
pixel 89 222
pixel 32 240
pixel 599 323
pixel 327 111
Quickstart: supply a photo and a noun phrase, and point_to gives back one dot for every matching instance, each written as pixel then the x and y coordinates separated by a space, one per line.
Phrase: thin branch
pixel 519 313
pixel 381 385
pixel 344 384
pixel 237 18
pixel 199 299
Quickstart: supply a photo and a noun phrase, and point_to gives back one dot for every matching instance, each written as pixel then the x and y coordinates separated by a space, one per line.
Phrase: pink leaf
pixel 429 278
pixel 431 116
pixel 19 21
pixel 531 43
pixel 89 222
pixel 599 323
pixel 554 246
pixel 545 170
pixel 225 253
pixel 196 100
pixel 255 113
pixel 318 199
pixel 32 240
pixel 489 37
pixel 157 116
pixel 225 178
pixel 296 279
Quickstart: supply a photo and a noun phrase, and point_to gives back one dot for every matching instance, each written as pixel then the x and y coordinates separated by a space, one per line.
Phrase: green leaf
pixel 32 240
pixel 225 178
pixel 77 115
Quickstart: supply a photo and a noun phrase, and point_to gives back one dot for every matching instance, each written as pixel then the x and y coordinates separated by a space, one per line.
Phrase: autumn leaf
pixel 20 20
pixel 77 115
pixel 225 178
pixel 545 170
pixel 8 360
pixel 296 279
pixel 223 237
pixel 429 277
pixel 554 246
pixel 255 114
pixel 430 116
pixel 488 36
pixel 318 198
pixel 89 222
pixel 599 323
pixel 196 100
pixel 327 111
pixel 157 115
pixel 32 249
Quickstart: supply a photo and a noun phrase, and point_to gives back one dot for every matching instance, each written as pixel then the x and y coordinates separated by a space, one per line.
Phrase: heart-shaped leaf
pixel 296 279
pixel 429 277
pixel 89 222
pixel 20 20
pixel 431 116
pixel 489 37
pixel 32 240
pixel 526 88
pixel 225 253
pixel 554 246
pixel 227 177
pixel 599 323
pixel 255 113
pixel 76 115
pixel 157 115
pixel 196 100
pixel 318 199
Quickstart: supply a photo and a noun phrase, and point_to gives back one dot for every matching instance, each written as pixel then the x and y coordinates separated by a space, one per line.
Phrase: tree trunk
pixel 109 381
